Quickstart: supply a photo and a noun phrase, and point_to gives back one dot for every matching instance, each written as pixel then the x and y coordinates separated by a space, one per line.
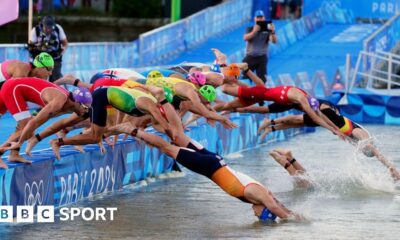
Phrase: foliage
pixel 137 8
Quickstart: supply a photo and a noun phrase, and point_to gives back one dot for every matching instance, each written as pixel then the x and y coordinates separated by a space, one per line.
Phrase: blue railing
pixel 84 56
pixel 157 46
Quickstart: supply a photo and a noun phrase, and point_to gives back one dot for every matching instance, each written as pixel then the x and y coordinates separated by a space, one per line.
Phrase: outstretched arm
pixel 254 109
pixel 199 108
pixel 392 168
pixel 70 79
pixel 306 108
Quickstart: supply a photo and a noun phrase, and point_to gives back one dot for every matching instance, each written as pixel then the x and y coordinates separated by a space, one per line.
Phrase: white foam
pixel 234 155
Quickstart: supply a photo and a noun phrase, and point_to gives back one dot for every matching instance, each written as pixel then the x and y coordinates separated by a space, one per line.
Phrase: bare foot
pixel 125 137
pixel 56 148
pixel 13 146
pixel 61 134
pixel 103 150
pixel 31 143
pixel 18 158
pixel 279 158
pixel 3 164
pixel 265 133
pixel 263 125
pixel 285 152
pixel 221 58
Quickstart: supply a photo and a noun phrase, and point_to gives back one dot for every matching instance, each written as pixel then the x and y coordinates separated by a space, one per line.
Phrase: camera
pixel 265 26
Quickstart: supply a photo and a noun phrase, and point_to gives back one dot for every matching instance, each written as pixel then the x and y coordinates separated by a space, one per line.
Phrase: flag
pixel 8 11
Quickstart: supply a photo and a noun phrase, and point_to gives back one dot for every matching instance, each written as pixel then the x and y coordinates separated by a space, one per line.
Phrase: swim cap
pixel 215 68
pixel 232 70
pixel 101 75
pixel 168 94
pixel 83 96
pixel 154 74
pixel 208 92
pixel 266 214
pixel 314 103
pixel 197 77
pixel 43 60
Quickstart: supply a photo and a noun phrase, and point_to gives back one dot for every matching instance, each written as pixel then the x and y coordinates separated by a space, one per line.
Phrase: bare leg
pixel 31 144
pixel 56 148
pixel 292 166
pixel 266 123
pixel 3 164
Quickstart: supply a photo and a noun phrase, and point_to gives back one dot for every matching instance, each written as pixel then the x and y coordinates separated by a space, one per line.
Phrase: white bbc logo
pixel 6 213
pixel 26 214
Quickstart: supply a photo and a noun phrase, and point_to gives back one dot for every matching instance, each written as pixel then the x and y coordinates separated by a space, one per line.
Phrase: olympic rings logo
pixel 34 193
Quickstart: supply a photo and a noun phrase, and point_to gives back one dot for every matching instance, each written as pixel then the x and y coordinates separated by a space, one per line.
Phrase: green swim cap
pixel 168 94
pixel 208 92
pixel 43 60
pixel 154 74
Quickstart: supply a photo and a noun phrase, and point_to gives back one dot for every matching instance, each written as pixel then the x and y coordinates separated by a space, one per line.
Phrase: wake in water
pixel 354 174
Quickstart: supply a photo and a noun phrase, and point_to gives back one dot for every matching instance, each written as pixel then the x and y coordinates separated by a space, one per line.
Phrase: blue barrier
pixel 159 45
pixel 372 108
pixel 385 38
pixel 379 9
pixel 84 56
pixel 81 175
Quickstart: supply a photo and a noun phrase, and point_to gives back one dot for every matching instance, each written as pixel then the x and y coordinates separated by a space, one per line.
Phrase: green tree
pixel 137 8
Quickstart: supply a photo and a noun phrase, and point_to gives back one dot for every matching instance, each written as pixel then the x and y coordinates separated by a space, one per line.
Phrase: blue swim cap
pixel 101 75
pixel 215 68
pixel 266 215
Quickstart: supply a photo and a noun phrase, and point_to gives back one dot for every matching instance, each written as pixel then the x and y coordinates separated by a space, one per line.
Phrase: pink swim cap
pixel 197 77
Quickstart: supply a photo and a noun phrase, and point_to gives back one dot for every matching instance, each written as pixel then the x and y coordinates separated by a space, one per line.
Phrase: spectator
pixel 257 45
pixel 49 37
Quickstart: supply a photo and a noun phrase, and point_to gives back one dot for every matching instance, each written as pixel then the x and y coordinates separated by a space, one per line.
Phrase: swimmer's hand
pixel 340 134
pixel 103 150
pixel 67 79
pixel 12 146
pixel 228 124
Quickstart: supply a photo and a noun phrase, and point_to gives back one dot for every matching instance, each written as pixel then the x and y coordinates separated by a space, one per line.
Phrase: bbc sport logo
pixel 46 214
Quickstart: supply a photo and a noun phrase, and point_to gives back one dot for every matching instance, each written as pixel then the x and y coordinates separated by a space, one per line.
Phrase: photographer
pixel 49 37
pixel 257 38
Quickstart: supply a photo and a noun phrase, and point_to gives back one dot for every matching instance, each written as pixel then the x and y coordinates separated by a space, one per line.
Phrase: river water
pixel 353 198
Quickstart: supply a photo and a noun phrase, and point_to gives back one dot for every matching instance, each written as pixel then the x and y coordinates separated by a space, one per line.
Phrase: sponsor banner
pixel 78 176
pixel 83 175
pixel 32 185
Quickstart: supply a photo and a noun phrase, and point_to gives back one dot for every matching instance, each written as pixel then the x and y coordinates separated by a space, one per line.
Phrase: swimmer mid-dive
pixel 213 166
pixel 355 133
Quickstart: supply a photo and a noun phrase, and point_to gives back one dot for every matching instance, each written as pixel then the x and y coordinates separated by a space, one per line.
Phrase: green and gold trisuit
pixel 170 83
pixel 123 99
